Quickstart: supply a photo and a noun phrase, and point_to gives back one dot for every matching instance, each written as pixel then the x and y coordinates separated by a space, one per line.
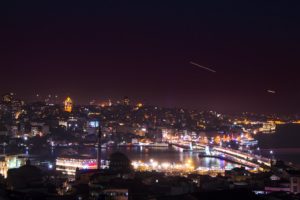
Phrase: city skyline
pixel 124 100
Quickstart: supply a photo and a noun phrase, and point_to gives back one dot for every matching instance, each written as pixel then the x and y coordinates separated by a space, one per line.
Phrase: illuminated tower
pixel 68 104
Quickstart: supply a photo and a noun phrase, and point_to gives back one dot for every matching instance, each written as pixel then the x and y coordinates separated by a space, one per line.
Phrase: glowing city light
pixel 68 104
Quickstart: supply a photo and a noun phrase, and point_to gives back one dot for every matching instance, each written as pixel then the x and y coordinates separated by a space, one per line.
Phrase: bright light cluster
pixel 153 165
pixel 69 165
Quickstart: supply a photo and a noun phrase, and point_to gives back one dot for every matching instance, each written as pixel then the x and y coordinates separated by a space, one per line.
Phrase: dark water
pixel 286 137
pixel 285 154
pixel 285 143
pixel 174 155
pixel 170 154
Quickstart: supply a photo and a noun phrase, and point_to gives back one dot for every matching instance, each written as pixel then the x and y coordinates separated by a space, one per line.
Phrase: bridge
pixel 235 156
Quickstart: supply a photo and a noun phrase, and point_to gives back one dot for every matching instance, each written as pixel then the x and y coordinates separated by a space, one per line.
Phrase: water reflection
pixel 171 155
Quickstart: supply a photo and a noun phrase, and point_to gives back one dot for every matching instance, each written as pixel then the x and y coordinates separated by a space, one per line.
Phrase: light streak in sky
pixel 271 91
pixel 200 66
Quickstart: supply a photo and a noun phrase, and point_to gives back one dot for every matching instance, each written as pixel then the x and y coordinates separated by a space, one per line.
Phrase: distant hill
pixel 286 136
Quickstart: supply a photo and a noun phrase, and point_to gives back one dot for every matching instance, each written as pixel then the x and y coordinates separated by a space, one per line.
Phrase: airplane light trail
pixel 271 91
pixel 200 66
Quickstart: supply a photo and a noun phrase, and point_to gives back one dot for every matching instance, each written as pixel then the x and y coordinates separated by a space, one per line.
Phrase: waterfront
pixel 169 154
pixel 160 154
pixel 173 155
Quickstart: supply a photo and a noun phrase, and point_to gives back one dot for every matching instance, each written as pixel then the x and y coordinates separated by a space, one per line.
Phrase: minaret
pixel 99 148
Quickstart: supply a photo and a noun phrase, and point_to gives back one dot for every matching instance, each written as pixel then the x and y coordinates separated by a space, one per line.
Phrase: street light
pixel 272 156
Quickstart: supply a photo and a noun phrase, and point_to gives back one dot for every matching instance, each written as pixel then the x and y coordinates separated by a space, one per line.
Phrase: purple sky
pixel 113 49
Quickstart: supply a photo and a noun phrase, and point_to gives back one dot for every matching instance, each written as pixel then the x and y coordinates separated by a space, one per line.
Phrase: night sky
pixel 113 49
